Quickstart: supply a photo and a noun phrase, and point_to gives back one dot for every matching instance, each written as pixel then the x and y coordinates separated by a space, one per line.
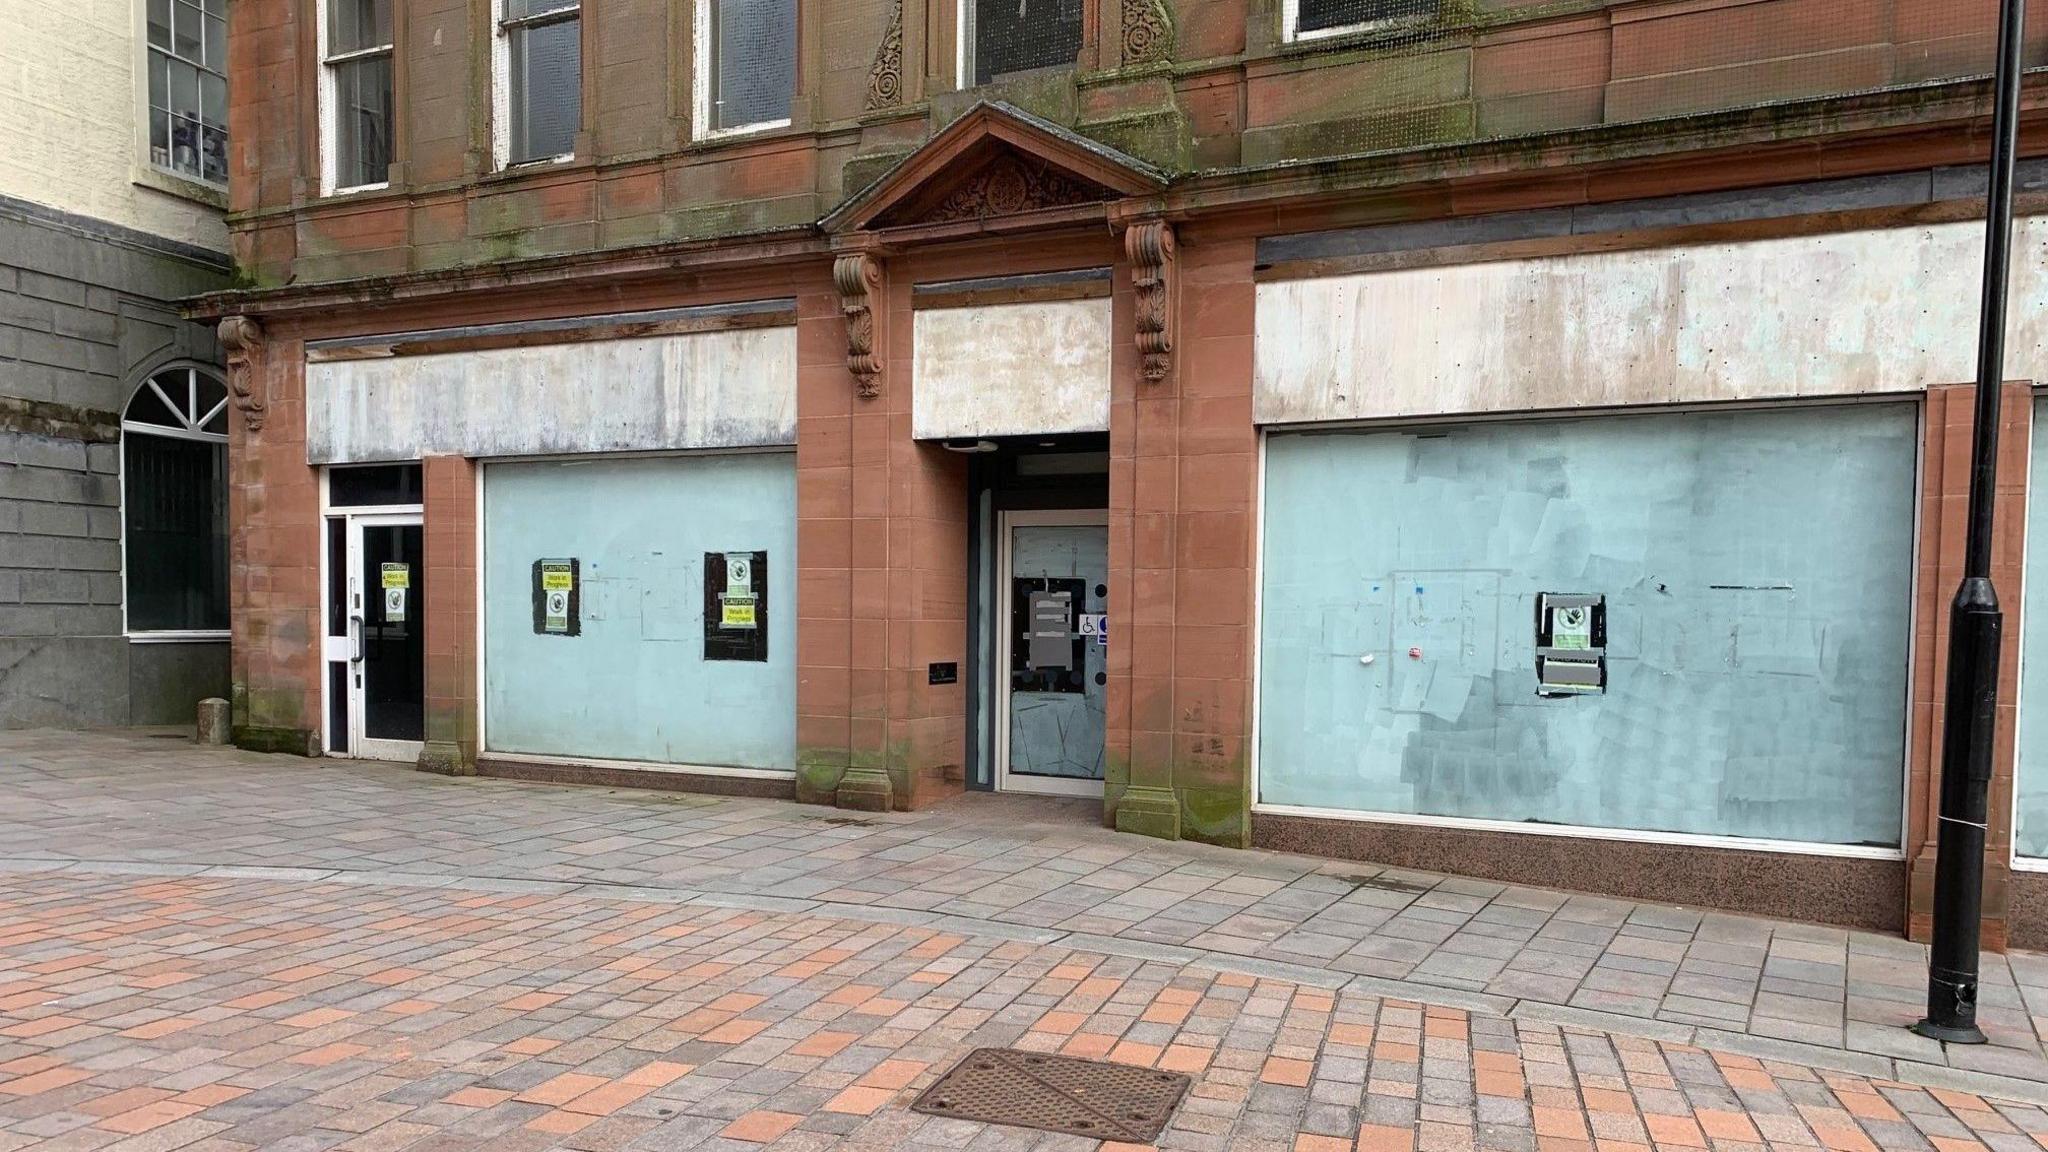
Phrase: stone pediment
pixel 993 162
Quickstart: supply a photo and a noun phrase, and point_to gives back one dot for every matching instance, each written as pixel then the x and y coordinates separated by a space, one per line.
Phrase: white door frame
pixel 1005 638
pixel 360 746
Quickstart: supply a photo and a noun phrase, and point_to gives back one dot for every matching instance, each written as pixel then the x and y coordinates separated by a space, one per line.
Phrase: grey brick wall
pixel 86 314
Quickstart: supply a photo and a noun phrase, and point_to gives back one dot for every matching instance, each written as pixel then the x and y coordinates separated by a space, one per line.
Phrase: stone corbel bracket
pixel 241 337
pixel 858 276
pixel 1149 245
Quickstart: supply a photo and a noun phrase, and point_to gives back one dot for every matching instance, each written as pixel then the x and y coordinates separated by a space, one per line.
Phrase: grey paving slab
pixel 1029 870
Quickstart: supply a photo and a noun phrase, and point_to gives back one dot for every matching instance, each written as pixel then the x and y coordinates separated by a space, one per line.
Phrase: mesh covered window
pixel 1005 36
pixel 188 88
pixel 174 503
pixel 1325 16
pixel 544 77
pixel 359 67
pixel 753 61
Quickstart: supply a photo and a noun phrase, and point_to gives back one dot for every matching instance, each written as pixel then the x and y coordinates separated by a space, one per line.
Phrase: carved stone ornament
pixel 1009 184
pixel 241 337
pixel 885 75
pixel 858 276
pixel 1148 31
pixel 1149 245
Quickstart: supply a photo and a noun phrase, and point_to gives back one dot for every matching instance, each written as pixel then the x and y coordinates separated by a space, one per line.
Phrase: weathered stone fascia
pixel 58 421
pixel 1930 105
pixel 754 249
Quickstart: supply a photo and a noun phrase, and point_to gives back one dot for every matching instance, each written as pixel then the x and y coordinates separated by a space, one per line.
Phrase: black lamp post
pixel 1975 622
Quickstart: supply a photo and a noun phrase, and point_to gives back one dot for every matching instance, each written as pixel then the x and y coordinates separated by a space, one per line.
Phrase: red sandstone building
pixel 1525 441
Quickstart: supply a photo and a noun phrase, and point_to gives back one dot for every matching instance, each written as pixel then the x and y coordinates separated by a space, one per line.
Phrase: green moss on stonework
pixel 1215 816
pixel 264 738
pixel 268 707
pixel 818 771
pixel 1162 137
pixel 1395 128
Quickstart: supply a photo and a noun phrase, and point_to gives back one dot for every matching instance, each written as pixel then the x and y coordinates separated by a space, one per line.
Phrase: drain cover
pixel 1119 1102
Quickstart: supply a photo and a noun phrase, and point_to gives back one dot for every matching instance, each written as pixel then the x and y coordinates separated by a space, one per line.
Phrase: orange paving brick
pixel 1674 1131
pixel 476 1096
pixel 329 1054
pixel 1381 1138
pixel 659 1073
pixel 760 1127
pixel 1132 1052
pixel 1184 1058
pixel 1060 1023
pixel 1088 1045
pixel 561 1089
pixel 1307 1142
pixel 29 1029
pixel 893 1074
pixel 207 1095
pixel 608 1099
pixel 1559 1122
pixel 736 1002
pixel 157 1029
pixel 859 1100
pixel 1280 1070
pixel 531 1045
pixel 48 1080
pixel 528 1002
pixel 823 1044
pixel 1720 1125
pixel 560 1123
pixel 263 999
pixel 123 1101
pixel 317 1018
pixel 147 1117
pixel 735 1032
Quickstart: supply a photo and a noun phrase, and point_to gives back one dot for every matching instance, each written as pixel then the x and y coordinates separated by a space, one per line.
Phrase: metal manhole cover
pixel 1093 1098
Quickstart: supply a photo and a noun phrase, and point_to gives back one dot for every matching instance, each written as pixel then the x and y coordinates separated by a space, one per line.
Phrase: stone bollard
pixel 213 721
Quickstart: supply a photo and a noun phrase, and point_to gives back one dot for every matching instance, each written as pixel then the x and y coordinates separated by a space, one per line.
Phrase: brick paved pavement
pixel 213 1013
pixel 1036 872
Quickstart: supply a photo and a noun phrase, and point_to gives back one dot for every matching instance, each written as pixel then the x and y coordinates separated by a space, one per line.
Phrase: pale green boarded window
pixel 2030 803
pixel 633 681
pixel 1757 574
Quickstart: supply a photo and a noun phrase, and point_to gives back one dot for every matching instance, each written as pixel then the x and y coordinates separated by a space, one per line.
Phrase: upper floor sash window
pixel 356 108
pixel 1003 36
pixel 188 88
pixel 538 71
pixel 746 65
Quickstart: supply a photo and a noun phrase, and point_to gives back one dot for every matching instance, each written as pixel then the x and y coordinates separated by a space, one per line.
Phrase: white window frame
pixel 1291 33
pixel 194 428
pixel 147 170
pixel 501 87
pixel 329 98
pixel 702 122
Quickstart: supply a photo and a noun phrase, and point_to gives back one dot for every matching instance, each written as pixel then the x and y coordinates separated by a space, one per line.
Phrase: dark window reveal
pixel 1018 35
pixel 174 503
pixel 1324 15
pixel 373 484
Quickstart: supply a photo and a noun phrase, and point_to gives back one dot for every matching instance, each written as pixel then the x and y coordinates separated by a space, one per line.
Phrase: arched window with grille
pixel 174 504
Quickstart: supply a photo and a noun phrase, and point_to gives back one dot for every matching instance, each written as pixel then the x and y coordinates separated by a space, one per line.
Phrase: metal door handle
pixel 355 639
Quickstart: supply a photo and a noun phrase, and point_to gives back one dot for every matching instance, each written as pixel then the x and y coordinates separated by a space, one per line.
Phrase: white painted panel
pixel 698 390
pixel 1011 369
pixel 1890 310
